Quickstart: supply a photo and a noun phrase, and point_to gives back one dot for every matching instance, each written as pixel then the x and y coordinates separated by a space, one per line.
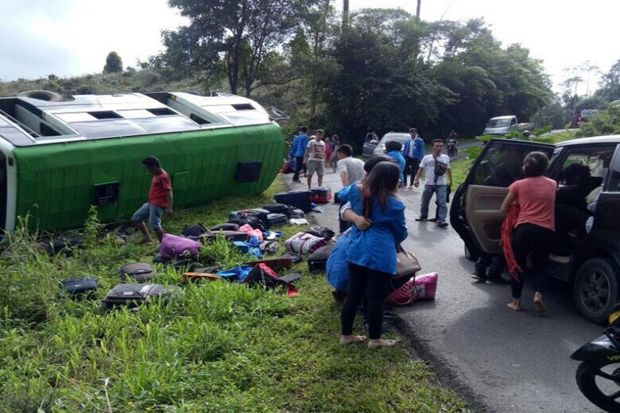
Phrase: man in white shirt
pixel 349 169
pixel 315 158
pixel 438 176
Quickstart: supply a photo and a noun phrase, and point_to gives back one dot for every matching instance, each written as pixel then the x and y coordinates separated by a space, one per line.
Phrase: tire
pixel 595 289
pixel 586 381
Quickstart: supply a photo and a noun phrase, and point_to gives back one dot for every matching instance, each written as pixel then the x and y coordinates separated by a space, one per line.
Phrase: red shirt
pixel 160 186
pixel 536 199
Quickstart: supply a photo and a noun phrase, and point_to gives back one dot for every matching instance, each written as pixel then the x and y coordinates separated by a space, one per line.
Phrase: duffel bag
pixel 303 243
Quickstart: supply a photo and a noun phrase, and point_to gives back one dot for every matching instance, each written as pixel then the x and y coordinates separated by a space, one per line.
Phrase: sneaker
pixel 421 219
pixel 442 224
pixel 432 220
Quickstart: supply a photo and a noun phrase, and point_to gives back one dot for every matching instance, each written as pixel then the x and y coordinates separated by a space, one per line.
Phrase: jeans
pixel 534 241
pixel 151 213
pixel 441 191
pixel 411 167
pixel 371 285
pixel 299 165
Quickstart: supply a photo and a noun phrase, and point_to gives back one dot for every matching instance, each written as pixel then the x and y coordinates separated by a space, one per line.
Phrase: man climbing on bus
pixel 160 201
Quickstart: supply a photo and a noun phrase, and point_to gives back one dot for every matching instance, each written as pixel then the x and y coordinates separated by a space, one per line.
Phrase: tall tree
pixel 238 35
pixel 345 12
pixel 113 63
pixel 417 9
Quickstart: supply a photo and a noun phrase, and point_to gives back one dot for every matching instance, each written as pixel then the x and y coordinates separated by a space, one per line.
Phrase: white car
pixel 390 136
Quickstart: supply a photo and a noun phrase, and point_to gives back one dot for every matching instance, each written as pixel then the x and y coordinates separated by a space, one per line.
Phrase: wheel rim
pixel 608 384
pixel 594 290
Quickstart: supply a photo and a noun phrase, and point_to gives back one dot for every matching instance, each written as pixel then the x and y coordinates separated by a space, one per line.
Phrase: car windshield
pixel 498 123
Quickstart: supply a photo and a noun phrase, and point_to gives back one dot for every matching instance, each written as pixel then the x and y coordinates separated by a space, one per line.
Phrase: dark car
pixel 586 251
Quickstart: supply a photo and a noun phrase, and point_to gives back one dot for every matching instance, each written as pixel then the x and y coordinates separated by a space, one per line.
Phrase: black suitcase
pixel 139 272
pixel 229 235
pixel 277 219
pixel 321 195
pixel 297 213
pixel 80 286
pixel 250 216
pixel 229 226
pixel 194 230
pixel 317 261
pixel 296 199
pixel 134 295
pixel 278 209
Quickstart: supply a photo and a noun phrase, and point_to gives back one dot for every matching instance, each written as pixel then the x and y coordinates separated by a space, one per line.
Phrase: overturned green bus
pixel 59 157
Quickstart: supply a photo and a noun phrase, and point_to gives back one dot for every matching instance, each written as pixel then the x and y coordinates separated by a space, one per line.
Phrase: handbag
pixel 407 264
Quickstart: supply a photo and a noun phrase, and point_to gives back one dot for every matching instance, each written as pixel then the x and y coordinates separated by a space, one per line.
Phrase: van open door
pixel 475 211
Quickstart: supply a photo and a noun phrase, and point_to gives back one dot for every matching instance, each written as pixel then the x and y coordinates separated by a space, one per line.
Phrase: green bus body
pixel 56 182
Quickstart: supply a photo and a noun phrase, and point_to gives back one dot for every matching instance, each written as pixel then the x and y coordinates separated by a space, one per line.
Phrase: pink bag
pixel 423 287
pixel 173 246
pixel 251 231
pixel 426 286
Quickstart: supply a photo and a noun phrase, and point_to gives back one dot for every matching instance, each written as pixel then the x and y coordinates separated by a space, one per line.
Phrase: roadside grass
pixel 216 347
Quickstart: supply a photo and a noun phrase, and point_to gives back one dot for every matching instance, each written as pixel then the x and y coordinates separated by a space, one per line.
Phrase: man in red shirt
pixel 160 201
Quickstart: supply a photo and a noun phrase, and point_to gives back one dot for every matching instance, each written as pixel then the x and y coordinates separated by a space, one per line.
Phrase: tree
pixel 238 35
pixel 113 63
pixel 417 9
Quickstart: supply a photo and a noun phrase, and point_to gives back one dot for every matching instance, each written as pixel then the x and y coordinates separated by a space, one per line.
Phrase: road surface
pixel 499 360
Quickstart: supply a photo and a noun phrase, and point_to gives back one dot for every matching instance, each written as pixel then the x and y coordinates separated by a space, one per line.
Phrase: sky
pixel 73 37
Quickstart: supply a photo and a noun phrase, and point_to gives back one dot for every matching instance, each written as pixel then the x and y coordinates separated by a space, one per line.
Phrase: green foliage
pixel 218 346
pixel 605 123
pixel 113 63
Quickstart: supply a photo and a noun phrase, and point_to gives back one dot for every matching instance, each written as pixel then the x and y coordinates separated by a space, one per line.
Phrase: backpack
pixel 194 230
pixel 304 243
pixel 173 246
pixel 440 169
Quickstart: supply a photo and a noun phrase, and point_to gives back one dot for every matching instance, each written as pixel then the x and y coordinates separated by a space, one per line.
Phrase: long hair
pixel 380 183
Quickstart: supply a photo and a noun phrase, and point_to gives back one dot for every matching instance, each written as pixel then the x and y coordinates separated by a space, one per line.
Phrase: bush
pixel 605 123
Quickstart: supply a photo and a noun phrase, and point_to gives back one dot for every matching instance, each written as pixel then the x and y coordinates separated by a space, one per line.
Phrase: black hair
pixel 345 149
pixel 369 164
pixel 380 183
pixel 437 141
pixel 304 129
pixel 412 130
pixel 151 161
pixel 535 164
pixel 393 146
pixel 320 131
pixel 576 174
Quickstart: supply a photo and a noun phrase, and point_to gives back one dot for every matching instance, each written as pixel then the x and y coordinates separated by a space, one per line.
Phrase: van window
pixel 614 176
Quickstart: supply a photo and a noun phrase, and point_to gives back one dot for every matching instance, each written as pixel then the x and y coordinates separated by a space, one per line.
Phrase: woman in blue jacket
pixel 393 150
pixel 371 254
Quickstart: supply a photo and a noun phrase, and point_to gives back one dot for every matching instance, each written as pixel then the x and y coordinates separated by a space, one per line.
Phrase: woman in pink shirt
pixel 533 232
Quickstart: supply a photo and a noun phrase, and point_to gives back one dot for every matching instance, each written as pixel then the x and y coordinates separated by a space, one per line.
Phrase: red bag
pixel 404 295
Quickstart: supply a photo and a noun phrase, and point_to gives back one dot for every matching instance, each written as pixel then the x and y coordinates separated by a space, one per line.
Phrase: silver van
pixel 501 125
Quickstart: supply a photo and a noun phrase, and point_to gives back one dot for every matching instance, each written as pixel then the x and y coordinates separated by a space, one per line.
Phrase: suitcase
pixel 278 209
pixel 297 213
pixel 317 261
pixel 80 286
pixel 239 216
pixel 277 220
pixel 194 230
pixel 321 195
pixel 134 295
pixel 229 226
pixel 229 235
pixel 140 272
pixel 296 199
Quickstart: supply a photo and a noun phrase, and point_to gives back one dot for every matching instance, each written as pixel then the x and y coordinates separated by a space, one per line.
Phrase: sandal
pixel 381 343
pixel 351 339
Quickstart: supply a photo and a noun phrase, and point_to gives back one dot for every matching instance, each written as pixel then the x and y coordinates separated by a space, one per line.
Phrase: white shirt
pixel 353 167
pixel 428 163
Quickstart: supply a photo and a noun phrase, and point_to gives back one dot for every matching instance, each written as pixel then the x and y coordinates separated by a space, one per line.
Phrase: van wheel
pixel 595 289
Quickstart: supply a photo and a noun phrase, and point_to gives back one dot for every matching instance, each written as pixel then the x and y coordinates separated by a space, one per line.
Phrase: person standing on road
pixel 534 226
pixel 298 150
pixel 333 161
pixel 160 201
pixel 372 253
pixel 413 152
pixel 438 177
pixel 315 158
pixel 350 170
pixel 393 150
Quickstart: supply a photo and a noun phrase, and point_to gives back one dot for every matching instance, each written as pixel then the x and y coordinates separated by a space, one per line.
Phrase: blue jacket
pixel 337 266
pixel 300 143
pixel 400 161
pixel 375 248
pixel 418 148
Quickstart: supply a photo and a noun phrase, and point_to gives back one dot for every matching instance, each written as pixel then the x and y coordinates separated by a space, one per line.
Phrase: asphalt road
pixel 499 360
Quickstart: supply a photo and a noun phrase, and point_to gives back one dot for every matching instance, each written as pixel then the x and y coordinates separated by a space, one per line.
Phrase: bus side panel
pixel 56 182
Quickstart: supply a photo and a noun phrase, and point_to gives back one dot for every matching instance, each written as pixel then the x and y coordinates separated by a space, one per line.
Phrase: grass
pixel 217 347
